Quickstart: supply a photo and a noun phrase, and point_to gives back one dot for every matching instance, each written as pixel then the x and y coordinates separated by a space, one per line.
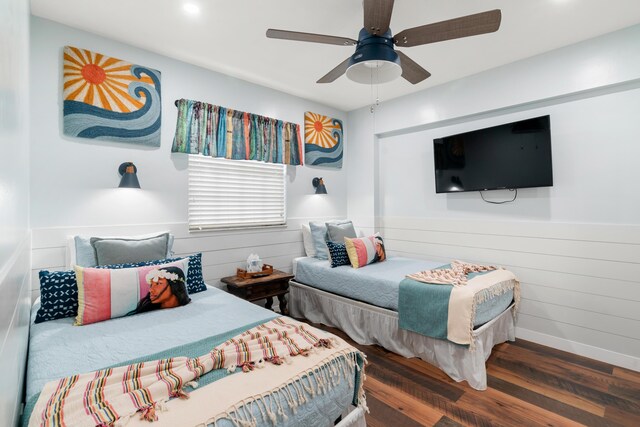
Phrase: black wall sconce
pixel 318 184
pixel 129 178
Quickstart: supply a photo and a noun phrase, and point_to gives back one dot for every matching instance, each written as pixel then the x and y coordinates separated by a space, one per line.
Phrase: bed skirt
pixel 367 325
pixel 353 417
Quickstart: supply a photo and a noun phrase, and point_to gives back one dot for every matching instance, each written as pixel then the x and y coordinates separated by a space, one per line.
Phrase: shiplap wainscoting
pixel 14 330
pixel 222 251
pixel 580 282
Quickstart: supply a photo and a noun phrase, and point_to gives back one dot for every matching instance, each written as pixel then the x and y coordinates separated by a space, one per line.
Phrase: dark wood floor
pixel 529 385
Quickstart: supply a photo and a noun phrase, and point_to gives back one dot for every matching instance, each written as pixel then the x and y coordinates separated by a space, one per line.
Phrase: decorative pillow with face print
pixel 109 293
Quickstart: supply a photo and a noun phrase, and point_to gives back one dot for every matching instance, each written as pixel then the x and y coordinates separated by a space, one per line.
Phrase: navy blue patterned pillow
pixel 338 254
pixel 58 295
pixel 195 283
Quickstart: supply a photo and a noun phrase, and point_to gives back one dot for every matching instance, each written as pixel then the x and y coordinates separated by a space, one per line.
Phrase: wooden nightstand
pixel 274 285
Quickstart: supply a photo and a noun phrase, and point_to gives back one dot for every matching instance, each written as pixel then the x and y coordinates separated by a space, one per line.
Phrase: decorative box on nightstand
pixel 275 284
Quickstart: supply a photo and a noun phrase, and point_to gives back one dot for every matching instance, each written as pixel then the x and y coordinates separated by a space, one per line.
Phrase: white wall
pixel 14 205
pixel 74 180
pixel 594 153
pixel 576 245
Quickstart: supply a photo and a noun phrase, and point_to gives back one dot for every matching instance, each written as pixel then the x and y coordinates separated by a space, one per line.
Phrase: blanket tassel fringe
pixel 327 375
pixel 492 292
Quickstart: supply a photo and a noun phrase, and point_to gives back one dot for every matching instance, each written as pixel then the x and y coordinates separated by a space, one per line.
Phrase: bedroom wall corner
pixel 15 240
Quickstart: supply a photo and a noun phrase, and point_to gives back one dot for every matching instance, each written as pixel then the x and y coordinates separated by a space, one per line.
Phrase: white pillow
pixel 307 240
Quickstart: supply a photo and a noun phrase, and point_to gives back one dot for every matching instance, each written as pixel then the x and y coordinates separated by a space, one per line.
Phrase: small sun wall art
pixel 110 99
pixel 322 140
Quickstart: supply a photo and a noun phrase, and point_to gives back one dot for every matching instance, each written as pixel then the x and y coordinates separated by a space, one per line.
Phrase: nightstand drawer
pixel 257 288
pixel 252 293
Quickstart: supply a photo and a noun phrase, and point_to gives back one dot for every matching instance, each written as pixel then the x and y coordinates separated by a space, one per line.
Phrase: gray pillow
pixel 85 253
pixel 337 232
pixel 319 236
pixel 117 251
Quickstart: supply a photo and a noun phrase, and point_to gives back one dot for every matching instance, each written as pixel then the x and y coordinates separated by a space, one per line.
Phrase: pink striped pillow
pixel 105 294
pixel 365 250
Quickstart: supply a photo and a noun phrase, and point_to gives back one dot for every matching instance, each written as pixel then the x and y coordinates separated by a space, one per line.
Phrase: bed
pixel 57 349
pixel 364 304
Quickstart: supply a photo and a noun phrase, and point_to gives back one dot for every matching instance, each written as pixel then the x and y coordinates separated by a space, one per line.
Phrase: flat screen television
pixel 512 155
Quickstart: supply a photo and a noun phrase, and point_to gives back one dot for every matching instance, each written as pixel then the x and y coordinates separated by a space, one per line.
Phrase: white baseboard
pixel 601 354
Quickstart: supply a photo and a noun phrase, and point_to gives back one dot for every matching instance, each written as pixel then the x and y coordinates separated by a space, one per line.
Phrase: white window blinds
pixel 235 193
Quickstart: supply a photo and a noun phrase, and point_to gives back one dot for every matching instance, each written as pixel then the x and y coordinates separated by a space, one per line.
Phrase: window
pixel 235 193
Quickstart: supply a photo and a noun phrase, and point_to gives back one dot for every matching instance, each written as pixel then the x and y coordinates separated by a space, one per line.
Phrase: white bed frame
pixel 367 324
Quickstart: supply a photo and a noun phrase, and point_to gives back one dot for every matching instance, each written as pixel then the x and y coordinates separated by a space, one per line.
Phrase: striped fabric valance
pixel 222 132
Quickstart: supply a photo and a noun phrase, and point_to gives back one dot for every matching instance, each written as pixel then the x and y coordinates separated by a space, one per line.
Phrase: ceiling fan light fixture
pixel 375 62
pixel 374 72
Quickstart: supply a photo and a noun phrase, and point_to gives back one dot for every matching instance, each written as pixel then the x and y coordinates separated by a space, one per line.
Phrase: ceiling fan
pixel 375 60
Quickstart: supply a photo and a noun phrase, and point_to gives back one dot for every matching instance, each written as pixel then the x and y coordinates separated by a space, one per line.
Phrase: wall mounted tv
pixel 513 155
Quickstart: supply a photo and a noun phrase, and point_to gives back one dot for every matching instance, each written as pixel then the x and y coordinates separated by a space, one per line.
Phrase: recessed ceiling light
pixel 191 8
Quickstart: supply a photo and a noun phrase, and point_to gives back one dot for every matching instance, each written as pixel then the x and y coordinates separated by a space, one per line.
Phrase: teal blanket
pixel 424 308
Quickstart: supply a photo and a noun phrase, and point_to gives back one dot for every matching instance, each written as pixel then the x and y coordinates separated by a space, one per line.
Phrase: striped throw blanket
pixel 456 275
pixel 103 397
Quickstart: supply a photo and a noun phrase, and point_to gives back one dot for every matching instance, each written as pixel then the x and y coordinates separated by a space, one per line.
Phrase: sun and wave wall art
pixel 322 140
pixel 110 99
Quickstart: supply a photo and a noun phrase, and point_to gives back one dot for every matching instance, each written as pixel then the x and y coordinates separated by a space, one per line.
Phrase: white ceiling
pixel 229 36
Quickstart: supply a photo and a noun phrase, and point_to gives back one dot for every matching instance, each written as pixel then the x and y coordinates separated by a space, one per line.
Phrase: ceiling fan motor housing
pixel 374 61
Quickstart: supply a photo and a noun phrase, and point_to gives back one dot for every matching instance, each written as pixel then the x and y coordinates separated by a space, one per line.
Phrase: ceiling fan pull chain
pixel 373 106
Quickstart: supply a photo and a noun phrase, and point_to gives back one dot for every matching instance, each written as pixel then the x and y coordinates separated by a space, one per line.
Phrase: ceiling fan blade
pixel 336 72
pixel 309 37
pixel 465 26
pixel 377 15
pixel 411 70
